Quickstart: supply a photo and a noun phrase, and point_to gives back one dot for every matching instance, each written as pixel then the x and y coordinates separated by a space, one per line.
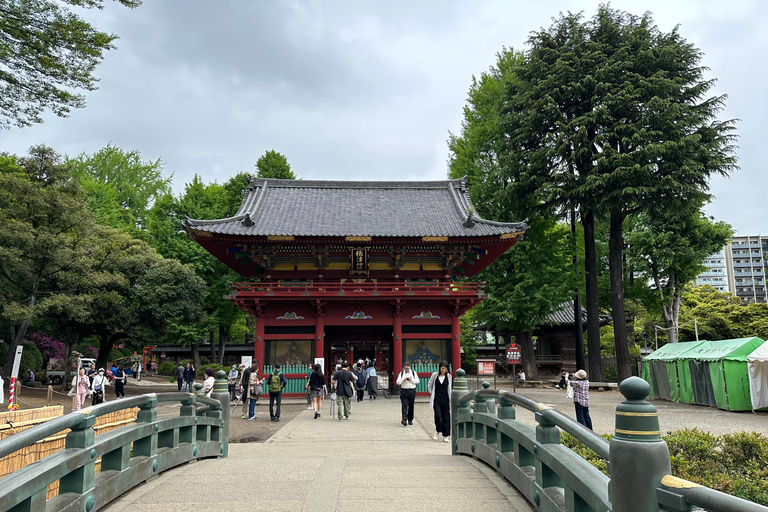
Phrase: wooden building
pixel 351 270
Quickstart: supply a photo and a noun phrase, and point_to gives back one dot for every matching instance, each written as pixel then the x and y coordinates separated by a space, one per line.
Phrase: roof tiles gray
pixel 354 208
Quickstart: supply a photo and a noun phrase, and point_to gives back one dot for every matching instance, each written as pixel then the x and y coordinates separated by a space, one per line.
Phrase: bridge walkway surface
pixel 369 462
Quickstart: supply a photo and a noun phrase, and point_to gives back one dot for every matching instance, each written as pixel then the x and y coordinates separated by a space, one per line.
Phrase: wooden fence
pixel 12 422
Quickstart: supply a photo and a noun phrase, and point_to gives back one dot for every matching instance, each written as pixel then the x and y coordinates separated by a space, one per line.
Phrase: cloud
pixel 357 90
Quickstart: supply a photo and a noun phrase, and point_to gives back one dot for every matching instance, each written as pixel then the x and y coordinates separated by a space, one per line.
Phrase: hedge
pixel 735 464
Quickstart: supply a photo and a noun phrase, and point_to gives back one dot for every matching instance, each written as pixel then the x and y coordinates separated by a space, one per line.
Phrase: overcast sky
pixel 360 90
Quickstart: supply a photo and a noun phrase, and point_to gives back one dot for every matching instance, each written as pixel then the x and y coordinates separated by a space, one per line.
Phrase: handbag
pixel 333 396
pixel 257 390
pixel 569 391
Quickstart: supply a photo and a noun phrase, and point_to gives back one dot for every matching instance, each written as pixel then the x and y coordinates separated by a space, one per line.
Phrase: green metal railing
pixel 129 455
pixel 554 478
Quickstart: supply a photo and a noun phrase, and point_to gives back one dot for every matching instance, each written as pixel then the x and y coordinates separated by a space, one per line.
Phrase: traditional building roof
pixel 564 316
pixel 356 208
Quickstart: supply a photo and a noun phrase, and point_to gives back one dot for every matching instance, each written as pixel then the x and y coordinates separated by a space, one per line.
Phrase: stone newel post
pixel 638 457
pixel 459 390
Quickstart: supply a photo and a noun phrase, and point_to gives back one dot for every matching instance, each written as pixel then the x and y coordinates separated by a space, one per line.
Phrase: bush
pixel 167 368
pixel 31 358
pixel 611 373
pixel 735 464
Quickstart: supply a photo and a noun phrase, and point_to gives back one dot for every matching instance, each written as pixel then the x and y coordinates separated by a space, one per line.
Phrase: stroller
pixel 98 397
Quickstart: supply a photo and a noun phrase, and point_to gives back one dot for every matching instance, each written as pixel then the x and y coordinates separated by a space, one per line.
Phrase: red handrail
pixel 370 288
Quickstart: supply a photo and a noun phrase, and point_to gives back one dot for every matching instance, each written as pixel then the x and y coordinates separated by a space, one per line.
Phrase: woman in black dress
pixel 120 379
pixel 439 388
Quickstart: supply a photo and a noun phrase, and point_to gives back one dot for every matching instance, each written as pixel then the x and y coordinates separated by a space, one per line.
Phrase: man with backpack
pixel 276 382
pixel 362 377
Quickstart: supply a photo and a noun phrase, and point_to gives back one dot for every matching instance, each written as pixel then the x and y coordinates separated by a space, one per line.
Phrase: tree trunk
pixel 195 356
pixel 250 323
pixel 68 344
pixel 525 339
pixel 15 342
pixel 105 347
pixel 223 340
pixel 212 343
pixel 615 251
pixel 593 314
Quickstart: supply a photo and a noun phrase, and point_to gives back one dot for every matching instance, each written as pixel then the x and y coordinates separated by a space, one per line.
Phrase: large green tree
pixel 274 165
pixel 614 116
pixel 47 52
pixel 46 240
pixel 120 186
pixel 669 250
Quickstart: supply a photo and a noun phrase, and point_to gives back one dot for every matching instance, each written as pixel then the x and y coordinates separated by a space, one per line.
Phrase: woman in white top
pixel 208 382
pixel 440 389
pixel 100 382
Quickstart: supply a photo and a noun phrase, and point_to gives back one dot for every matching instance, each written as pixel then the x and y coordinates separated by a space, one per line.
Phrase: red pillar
pixel 396 361
pixel 455 343
pixel 258 345
pixel 320 338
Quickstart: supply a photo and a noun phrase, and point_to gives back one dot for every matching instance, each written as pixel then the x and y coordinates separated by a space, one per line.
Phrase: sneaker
pixel 309 407
pixel 410 423
pixel 340 419
pixel 403 423
pixel 243 417
pixel 435 436
pixel 447 439
pixel 316 414
pixel 253 418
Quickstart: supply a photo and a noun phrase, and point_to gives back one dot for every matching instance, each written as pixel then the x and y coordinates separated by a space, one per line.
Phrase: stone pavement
pixel 369 462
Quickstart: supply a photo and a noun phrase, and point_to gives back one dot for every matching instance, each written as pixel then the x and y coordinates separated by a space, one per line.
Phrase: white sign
pixel 17 361
pixel 321 362
pixel 246 361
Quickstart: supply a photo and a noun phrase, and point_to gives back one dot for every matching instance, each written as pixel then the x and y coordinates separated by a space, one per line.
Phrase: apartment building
pixel 740 268
pixel 748 268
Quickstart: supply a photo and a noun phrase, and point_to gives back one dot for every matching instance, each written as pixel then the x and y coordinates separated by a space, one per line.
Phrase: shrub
pixel 611 373
pixel 167 368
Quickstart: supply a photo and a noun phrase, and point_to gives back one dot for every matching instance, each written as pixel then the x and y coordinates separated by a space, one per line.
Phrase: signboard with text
pixel 513 354
pixel 486 367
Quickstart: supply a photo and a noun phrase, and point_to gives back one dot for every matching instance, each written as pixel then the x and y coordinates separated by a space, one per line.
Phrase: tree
pixel 274 165
pixel 614 116
pixel 120 186
pixel 45 241
pixel 46 52
pixel 669 250
pixel 720 315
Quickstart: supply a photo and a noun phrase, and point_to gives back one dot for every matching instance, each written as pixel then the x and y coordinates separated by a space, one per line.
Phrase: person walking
pixel 208 382
pixel 372 382
pixel 92 373
pixel 139 367
pixel 407 380
pixel 581 397
pixel 189 378
pixel 310 402
pixel 232 381
pixel 254 391
pixel 100 382
pixel 179 374
pixel 120 379
pixel 276 382
pixel 80 387
pixel 440 387
pixel 360 382
pixel 343 383
pixel 245 379
pixel 316 388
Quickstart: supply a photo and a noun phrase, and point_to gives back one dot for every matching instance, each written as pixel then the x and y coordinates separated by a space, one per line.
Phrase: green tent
pixel 667 372
pixel 719 373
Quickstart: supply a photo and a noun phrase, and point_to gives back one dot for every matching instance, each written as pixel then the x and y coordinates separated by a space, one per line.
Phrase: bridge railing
pixel 129 455
pixel 554 478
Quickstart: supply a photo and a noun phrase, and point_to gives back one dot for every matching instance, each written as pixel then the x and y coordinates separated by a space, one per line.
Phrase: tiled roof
pixel 355 208
pixel 564 316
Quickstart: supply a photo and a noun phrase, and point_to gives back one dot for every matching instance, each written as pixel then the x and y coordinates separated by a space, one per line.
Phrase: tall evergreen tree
pixel 274 165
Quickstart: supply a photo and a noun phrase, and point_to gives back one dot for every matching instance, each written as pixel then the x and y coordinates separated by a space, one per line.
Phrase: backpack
pixel 361 378
pixel 275 386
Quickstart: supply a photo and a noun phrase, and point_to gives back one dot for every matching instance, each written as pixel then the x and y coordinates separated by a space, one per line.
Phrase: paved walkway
pixel 369 462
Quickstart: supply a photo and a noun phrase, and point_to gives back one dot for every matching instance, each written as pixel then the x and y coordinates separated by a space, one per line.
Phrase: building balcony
pixel 349 289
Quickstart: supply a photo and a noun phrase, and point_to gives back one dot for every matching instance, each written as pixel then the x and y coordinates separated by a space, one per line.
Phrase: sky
pixel 360 90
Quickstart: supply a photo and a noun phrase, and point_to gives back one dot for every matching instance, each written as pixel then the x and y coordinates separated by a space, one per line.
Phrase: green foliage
pixel 47 52
pixel 735 464
pixel 120 186
pixel 610 373
pixel 167 368
pixel 469 339
pixel 274 165
pixel 31 358
pixel 720 316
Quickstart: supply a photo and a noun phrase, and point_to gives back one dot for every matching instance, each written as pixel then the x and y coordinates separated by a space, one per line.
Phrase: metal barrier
pixel 129 455
pixel 554 478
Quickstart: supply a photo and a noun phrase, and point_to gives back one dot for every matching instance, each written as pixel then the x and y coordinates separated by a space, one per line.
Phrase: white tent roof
pixel 758 376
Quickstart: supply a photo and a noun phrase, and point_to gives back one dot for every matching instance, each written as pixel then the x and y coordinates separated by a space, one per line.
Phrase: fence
pixel 130 453
pixel 554 478
pixel 13 422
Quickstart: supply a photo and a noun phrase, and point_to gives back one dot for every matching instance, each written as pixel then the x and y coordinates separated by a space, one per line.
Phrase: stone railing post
pixel 638 457
pixel 80 480
pixel 221 393
pixel 459 390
